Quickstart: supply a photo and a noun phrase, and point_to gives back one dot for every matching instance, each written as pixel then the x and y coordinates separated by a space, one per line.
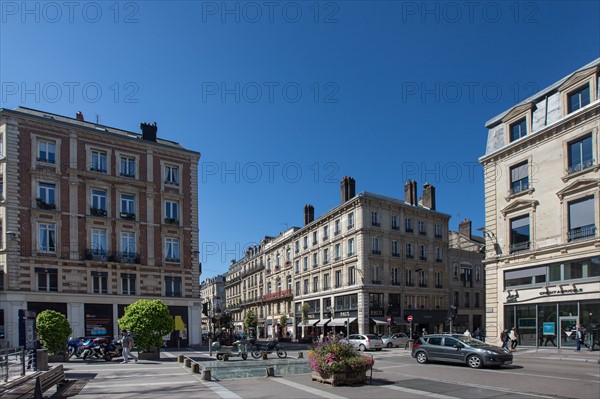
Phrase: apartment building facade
pixel 542 204
pixel 94 218
pixel 370 259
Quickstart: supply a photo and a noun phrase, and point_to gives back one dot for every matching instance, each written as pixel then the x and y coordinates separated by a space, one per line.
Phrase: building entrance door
pixel 568 326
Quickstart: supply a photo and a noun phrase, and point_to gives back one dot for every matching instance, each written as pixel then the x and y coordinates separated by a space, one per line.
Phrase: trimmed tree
pixel 250 320
pixel 148 321
pixel 54 330
pixel 304 311
pixel 283 323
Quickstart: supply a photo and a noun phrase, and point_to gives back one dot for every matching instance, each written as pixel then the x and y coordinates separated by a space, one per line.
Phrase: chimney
pixel 79 116
pixel 309 214
pixel 149 131
pixel 347 188
pixel 464 228
pixel 428 196
pixel 410 192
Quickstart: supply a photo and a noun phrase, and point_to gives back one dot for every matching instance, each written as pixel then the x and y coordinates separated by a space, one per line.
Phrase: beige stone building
pixel 92 219
pixel 542 205
pixel 370 258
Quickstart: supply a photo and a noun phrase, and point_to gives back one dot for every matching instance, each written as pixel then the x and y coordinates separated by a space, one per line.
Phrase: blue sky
pixel 283 99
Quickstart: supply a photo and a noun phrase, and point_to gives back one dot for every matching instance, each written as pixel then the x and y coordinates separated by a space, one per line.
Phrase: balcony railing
pixel 127 215
pixel 581 166
pixel 376 282
pixel 98 212
pixel 395 227
pixel 438 235
pixel 422 257
pixel 376 252
pixel 580 233
pixel 101 255
pixel 277 295
pixel 423 232
pixel 410 256
pixel 396 254
pixel 44 205
pixel 520 246
pixel 172 221
pixel 395 282
pixel 376 224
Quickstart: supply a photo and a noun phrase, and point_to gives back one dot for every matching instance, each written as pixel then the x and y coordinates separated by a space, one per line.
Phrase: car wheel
pixel 362 348
pixel 389 345
pixel 475 362
pixel 421 357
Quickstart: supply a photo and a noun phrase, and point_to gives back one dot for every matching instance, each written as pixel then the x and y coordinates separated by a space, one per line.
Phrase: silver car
pixel 365 342
pixel 459 349
pixel 398 340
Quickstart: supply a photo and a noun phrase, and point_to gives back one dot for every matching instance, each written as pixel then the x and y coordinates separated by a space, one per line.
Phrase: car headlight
pixel 488 352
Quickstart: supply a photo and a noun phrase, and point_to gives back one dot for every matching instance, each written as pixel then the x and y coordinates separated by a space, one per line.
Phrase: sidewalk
pixel 585 355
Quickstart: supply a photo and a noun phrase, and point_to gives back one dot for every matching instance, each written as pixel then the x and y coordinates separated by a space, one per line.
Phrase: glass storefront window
pixel 547 325
pixel 526 325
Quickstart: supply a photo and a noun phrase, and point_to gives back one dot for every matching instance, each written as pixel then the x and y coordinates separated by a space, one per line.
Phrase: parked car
pixel 399 340
pixel 365 342
pixel 459 349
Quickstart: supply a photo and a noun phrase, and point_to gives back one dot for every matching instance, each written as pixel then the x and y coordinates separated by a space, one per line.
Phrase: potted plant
pixel 54 330
pixel 337 362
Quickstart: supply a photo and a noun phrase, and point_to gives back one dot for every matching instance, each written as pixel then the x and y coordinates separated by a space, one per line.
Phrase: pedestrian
pixel 467 333
pixel 477 334
pixel 504 338
pixel 423 331
pixel 580 338
pixel 514 338
pixel 128 347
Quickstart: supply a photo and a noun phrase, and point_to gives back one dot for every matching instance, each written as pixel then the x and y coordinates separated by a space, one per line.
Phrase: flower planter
pixel 347 378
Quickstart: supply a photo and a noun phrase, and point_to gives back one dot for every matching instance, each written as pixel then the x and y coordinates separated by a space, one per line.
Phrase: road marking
pixel 100 385
pixel 417 392
pixel 314 391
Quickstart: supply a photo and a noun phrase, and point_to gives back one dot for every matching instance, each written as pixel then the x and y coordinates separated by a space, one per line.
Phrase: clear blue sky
pixel 282 99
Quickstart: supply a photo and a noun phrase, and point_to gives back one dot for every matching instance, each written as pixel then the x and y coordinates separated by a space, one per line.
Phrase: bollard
pixel 264 356
pixel 270 371
pixel 226 357
pixel 195 368
pixel 206 375
pixel 188 362
pixel 300 355
pixel 180 358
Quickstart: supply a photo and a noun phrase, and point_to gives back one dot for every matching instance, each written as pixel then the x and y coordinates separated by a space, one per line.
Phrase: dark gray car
pixel 459 349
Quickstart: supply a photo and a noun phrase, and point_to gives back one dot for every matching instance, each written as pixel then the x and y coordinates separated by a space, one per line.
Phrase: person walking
pixel 514 339
pixel 580 338
pixel 128 347
pixel 477 334
pixel 504 338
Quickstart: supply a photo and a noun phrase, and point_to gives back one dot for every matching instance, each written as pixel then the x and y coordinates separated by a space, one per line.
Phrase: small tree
pixel 304 310
pixel 54 330
pixel 283 323
pixel 149 321
pixel 250 320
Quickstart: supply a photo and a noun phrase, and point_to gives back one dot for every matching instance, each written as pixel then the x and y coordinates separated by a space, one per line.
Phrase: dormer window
pixel 518 129
pixel 578 98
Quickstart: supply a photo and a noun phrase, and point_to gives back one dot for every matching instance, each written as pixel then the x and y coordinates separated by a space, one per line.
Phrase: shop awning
pixel 400 321
pixel 340 322
pixel 379 321
pixel 323 322
pixel 179 324
pixel 309 322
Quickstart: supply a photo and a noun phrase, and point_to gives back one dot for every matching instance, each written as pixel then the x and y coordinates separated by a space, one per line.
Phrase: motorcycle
pixel 113 349
pixel 241 350
pixel 75 346
pixel 96 348
pixel 269 347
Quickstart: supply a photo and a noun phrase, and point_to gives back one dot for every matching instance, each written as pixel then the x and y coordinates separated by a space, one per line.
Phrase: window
pixel 100 282
pixel 171 212
pixel 1 187
pixel 422 278
pixel 315 259
pixel 297 287
pixel 289 283
pixel 467 299
pixel 173 286
pixel 297 246
pixel 297 266
pixel 288 255
pixel 519 178
pixel 46 152
pixel 375 219
pixel 422 252
pixel 478 273
pixel 476 304
pixel 337 251
pixel 98 161
pixel 456 298
pixel 128 206
pixel 128 254
pixel 395 248
pixel 578 98
pixel 305 240
pixel 98 202
pixel 395 223
pixel 455 271
pixel 438 254
pixel 305 266
pixel 316 284
pixel 128 283
pixel 375 245
pixel 580 154
pixel 408 225
pixel 337 227
pixel 422 228
pixel 326 256
pixel 351 275
pixel 438 279
pixel 518 129
pixel 314 240
pixel 46 196
pixel 350 220
pixel 99 244
pixel 172 175
pixel 409 278
pixel 325 232
pixel 351 247
pixel 377 274
pixel 47 237
pixel 127 167
pixel 326 281
pixel 47 279
pixel 338 278
pixel 306 290
pixel 396 276
pixel 438 231
pixel 172 249
pixel 519 234
pixel 409 251
pixel 582 219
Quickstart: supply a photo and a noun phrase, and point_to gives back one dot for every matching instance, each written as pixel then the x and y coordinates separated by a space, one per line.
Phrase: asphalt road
pixel 534 374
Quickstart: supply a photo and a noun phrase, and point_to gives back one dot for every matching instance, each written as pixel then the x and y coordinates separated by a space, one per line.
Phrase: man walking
pixel 128 347
pixel 580 338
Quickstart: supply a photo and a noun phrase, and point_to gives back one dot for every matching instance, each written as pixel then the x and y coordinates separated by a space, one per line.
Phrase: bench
pixel 34 385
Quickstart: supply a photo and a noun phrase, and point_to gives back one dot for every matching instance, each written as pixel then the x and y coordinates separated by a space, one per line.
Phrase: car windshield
pixel 472 341
pixel 372 336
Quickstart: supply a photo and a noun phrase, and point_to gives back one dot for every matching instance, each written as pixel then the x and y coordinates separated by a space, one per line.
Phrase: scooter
pixel 242 350
pixel 269 347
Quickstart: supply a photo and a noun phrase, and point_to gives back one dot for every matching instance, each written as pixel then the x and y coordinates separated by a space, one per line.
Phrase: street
pixel 534 374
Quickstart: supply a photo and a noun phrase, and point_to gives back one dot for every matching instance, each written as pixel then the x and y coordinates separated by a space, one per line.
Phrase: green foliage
pixel 250 321
pixel 305 309
pixel 283 322
pixel 335 356
pixel 54 330
pixel 148 321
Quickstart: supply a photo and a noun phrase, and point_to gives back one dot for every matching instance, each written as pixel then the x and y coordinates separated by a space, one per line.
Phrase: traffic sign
pixel 389 319
pixel 409 318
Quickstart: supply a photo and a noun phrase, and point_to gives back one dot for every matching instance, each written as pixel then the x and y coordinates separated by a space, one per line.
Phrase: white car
pixel 398 340
pixel 365 342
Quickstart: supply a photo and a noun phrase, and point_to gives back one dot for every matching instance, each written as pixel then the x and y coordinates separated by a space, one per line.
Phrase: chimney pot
pixel 149 131
pixel 309 214
pixel 79 116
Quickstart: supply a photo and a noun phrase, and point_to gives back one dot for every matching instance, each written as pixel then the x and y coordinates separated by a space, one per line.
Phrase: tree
pixel 250 320
pixel 283 323
pixel 54 330
pixel 304 310
pixel 148 321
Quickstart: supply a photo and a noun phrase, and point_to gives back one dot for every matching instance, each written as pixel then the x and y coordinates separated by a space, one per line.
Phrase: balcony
pixel 277 295
pixel 288 264
pixel 395 227
pixel 376 252
pixel 98 212
pixel 438 235
pixel 409 230
pixel 423 233
pixel 337 232
pixel 325 237
pixel 396 283
pixel 410 256
pixel 376 224
pixel 581 166
pixel 98 255
pixel 396 254
pixel 172 260
pixel 97 169
pixel 44 205
pixel 376 282
pixel 314 243
pixel 172 221
pixel 128 174
pixel 520 247
pixel 422 257
pixel 350 226
pixel 128 257
pixel 127 215
pixel 439 260
pixel 172 182
pixel 583 232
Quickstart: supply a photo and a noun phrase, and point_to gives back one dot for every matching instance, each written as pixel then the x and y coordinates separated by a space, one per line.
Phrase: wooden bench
pixel 36 384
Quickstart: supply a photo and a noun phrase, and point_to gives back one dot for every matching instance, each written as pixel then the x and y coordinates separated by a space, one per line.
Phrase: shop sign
pixel 561 291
